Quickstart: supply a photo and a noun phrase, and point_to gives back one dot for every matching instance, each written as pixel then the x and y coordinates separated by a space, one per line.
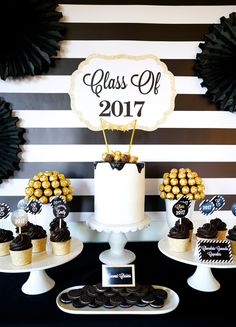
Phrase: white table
pixel 117 254
pixel 202 279
pixel 38 281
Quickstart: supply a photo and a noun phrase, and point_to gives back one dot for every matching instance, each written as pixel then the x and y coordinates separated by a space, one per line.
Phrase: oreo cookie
pixel 158 303
pixel 100 288
pixel 160 293
pixel 75 293
pixel 77 304
pixel 93 304
pixel 100 299
pixel 92 291
pixel 108 304
pixel 148 298
pixel 117 289
pixel 132 299
pixel 109 292
pixel 116 299
pixel 124 293
pixel 64 298
pixel 125 305
pixel 85 299
pixel 141 304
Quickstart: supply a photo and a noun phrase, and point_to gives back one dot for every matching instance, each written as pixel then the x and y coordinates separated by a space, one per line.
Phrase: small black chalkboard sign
pixel 119 276
pixel 34 207
pixel 61 210
pixel 214 251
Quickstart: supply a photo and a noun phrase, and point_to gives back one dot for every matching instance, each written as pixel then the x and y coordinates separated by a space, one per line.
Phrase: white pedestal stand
pixel 202 279
pixel 39 282
pixel 117 254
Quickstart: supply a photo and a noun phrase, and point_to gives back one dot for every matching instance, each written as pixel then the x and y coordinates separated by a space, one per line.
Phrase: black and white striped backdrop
pixel 195 135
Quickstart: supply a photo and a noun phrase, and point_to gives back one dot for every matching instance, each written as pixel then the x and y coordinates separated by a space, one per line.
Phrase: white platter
pixel 171 304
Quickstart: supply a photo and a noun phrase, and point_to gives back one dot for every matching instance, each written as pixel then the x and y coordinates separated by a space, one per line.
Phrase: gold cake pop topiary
pixel 179 182
pixel 44 186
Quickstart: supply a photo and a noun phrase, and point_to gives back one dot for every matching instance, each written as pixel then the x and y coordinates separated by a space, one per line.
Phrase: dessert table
pixel 202 279
pixel 151 267
pixel 38 281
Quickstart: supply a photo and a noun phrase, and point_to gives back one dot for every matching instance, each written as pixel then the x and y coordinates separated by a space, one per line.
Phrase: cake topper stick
pixel 132 136
pixel 104 135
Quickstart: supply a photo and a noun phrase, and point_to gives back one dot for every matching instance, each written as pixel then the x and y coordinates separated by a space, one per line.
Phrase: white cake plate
pixel 117 254
pixel 202 279
pixel 39 282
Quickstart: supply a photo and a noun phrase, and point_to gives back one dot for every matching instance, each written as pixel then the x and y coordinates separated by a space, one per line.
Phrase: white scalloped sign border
pixel 121 89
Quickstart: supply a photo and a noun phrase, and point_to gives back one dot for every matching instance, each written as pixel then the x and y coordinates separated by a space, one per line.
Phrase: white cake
pixel 119 192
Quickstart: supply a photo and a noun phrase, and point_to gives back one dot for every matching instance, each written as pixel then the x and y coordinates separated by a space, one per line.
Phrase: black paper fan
pixel 11 137
pixel 30 32
pixel 216 64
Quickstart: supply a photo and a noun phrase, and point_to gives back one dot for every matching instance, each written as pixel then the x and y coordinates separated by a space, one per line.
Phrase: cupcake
pixel 207 231
pixel 178 238
pixel 60 240
pixel 38 238
pixel 56 223
pixel 221 228
pixel 21 250
pixel 232 238
pixel 25 228
pixel 189 225
pixel 6 236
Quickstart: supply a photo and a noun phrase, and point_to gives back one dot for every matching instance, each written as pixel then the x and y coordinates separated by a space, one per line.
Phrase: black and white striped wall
pixel 195 135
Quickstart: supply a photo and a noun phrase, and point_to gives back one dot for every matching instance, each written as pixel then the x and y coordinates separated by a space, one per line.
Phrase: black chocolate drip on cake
pixel 120 165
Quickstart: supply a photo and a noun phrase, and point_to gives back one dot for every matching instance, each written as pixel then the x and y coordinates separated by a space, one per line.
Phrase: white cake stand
pixel 117 254
pixel 202 279
pixel 39 282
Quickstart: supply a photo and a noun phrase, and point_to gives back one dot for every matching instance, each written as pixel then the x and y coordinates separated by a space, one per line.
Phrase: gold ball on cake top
pixel 118 156
pixel 45 185
pixel 179 182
